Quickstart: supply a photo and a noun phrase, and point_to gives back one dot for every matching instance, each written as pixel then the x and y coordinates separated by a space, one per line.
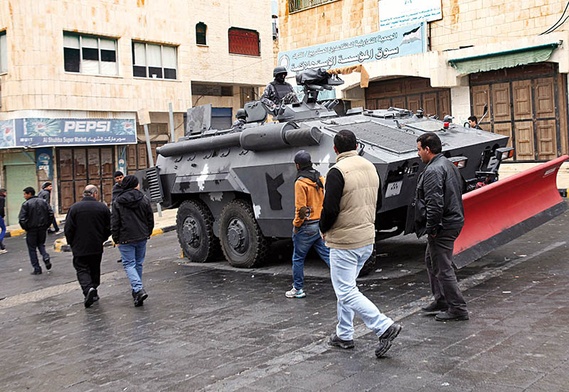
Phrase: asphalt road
pixel 211 327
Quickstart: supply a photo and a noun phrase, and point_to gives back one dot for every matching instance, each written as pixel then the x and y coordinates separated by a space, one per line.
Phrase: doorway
pixel 18 177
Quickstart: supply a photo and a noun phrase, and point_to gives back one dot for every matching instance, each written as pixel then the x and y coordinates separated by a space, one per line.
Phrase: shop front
pixel 69 152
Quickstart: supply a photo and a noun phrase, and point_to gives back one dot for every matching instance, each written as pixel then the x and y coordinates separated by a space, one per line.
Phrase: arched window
pixel 201 30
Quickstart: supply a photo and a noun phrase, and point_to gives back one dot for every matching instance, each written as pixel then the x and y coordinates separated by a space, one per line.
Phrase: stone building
pixel 76 75
pixel 446 57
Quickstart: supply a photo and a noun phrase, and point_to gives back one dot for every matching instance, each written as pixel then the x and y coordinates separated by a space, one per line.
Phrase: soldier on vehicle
pixel 473 122
pixel 241 120
pixel 278 89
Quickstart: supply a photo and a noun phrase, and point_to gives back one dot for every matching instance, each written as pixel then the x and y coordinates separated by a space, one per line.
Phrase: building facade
pixel 509 60
pixel 76 78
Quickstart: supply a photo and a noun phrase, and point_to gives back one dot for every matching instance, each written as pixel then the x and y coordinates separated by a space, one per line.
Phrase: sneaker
pixel 294 293
pixel 337 342
pixel 139 298
pixel 435 307
pixel 386 339
pixel 90 297
pixel 2 251
pixel 36 272
pixel 47 264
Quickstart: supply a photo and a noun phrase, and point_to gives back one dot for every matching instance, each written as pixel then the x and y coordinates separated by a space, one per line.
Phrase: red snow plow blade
pixel 504 210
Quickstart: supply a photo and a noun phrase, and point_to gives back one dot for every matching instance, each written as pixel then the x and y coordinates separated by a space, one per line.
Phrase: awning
pixel 506 59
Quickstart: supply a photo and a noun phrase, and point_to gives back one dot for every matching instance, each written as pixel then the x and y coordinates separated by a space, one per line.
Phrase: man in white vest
pixel 347 224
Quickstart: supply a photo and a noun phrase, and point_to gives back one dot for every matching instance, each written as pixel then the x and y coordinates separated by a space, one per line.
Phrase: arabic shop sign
pixel 44 132
pixel 378 46
pixel 397 13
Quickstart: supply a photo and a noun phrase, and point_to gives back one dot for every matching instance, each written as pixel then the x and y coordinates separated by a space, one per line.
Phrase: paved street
pixel 214 328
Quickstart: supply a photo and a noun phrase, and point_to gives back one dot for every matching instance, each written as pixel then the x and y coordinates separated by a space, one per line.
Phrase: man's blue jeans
pixel 132 256
pixel 345 265
pixel 307 235
pixel 2 232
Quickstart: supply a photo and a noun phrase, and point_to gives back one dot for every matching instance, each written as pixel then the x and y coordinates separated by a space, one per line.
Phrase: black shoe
pixel 47 264
pixel 435 307
pixel 337 342
pixel 36 272
pixel 447 316
pixel 119 261
pixel 139 298
pixel 386 338
pixel 90 297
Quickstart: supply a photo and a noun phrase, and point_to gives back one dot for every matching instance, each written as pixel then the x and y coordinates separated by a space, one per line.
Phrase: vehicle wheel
pixel 194 223
pixel 369 265
pixel 241 238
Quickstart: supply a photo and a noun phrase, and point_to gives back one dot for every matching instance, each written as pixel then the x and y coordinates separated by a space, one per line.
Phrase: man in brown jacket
pixel 308 198
pixel 348 226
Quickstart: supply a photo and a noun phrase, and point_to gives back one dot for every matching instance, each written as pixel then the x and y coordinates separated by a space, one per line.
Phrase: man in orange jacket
pixel 308 198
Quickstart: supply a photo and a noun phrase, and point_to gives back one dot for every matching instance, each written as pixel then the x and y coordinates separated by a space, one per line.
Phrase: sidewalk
pixel 509 169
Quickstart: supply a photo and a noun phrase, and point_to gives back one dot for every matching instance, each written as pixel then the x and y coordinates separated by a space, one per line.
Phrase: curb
pixel 60 244
pixel 15 233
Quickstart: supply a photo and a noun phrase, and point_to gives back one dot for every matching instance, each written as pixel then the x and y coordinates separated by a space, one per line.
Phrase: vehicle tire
pixel 194 224
pixel 369 265
pixel 241 238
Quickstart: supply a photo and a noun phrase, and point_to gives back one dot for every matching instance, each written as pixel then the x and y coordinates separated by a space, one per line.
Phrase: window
pixel 299 5
pixel 154 61
pixel 3 52
pixel 89 54
pixel 201 30
pixel 243 41
pixel 215 90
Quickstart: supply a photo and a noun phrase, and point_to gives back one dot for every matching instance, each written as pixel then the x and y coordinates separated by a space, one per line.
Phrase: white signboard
pixel 397 13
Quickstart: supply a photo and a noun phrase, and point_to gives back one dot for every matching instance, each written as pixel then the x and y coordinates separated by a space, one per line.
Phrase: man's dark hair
pixel 473 118
pixel 345 141
pixel 431 140
pixel 30 190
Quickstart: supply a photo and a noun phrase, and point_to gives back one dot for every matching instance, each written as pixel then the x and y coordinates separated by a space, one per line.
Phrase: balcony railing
pixel 300 5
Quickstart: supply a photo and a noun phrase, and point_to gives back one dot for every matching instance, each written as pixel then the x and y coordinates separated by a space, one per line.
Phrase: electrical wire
pixel 557 24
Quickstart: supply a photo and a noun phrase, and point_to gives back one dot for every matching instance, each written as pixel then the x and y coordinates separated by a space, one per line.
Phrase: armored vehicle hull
pixel 237 188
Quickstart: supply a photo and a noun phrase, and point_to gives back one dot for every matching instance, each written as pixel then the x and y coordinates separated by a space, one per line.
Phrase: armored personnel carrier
pixel 234 188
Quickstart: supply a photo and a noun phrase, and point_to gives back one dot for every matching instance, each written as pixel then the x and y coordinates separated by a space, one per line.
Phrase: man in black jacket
pixel 132 222
pixel 35 217
pixel 87 227
pixel 117 187
pixel 439 187
pixel 45 194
